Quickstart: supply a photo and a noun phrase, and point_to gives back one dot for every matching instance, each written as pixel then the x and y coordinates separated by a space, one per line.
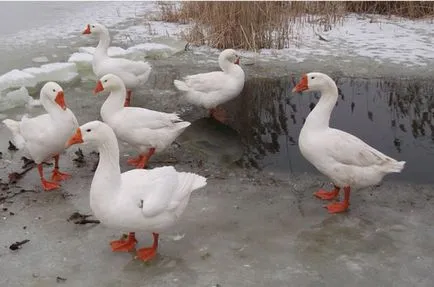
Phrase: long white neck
pixel 52 108
pixel 107 178
pixel 103 45
pixel 114 103
pixel 319 117
pixel 224 64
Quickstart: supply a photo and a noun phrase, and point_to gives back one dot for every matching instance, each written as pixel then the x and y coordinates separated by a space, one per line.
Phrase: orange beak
pixel 75 139
pixel 60 100
pixel 237 61
pixel 87 30
pixel 302 85
pixel 98 88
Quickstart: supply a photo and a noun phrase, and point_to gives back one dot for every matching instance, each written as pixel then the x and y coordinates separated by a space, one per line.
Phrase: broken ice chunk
pixel 58 72
pixel 111 52
pixel 80 58
pixel 41 59
pixel 16 79
pixel 150 47
pixel 16 98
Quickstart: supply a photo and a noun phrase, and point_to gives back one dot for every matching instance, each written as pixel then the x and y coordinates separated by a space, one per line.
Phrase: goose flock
pixel 152 200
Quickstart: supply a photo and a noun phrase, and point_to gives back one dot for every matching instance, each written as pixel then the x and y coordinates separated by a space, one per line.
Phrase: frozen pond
pixel 256 223
pixel 394 115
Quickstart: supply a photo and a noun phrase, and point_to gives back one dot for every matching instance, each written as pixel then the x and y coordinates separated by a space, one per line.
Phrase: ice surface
pixel 57 72
pixel 16 79
pixel 112 51
pixel 146 47
pixel 30 77
pixel 385 40
pixel 151 30
pixel 33 103
pixel 397 40
pixel 70 20
pixel 16 98
pixel 41 59
pixel 80 58
pixel 153 50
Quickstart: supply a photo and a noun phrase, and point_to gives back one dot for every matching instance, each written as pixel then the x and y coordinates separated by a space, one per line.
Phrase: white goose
pixel 345 159
pixel 44 136
pixel 132 73
pixel 212 89
pixel 146 130
pixel 136 200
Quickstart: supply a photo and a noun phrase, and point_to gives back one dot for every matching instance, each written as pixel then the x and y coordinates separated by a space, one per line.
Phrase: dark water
pixel 394 116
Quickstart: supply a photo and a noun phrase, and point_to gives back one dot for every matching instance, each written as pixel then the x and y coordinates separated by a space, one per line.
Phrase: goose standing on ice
pixel 210 90
pixel 132 73
pixel 345 159
pixel 136 200
pixel 43 137
pixel 146 130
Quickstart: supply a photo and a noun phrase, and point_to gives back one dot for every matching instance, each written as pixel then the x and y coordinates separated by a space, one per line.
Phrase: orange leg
pixel 124 245
pixel 135 160
pixel 128 98
pixel 57 175
pixel 327 195
pixel 47 185
pixel 148 253
pixel 142 160
pixel 341 206
pixel 219 114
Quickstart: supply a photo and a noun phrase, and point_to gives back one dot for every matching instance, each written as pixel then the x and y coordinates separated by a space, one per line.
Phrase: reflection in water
pixel 394 116
pixel 261 116
pixel 219 142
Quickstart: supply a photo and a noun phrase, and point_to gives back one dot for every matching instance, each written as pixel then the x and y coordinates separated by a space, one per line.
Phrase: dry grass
pixel 408 9
pixel 272 24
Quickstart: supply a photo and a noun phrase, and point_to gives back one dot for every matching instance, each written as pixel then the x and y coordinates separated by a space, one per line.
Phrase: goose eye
pixel 105 81
pixel 93 26
pixel 88 130
pixel 312 78
pixel 54 90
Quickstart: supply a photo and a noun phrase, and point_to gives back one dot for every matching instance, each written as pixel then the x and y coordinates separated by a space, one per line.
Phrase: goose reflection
pixel 395 115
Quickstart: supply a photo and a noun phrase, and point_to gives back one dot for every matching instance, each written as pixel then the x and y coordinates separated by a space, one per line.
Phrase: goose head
pixel 53 92
pixel 314 82
pixel 228 56
pixel 95 28
pixel 109 82
pixel 96 133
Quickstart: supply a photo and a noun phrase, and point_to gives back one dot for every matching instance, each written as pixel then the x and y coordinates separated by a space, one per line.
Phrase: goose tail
pixel 180 85
pixel 14 127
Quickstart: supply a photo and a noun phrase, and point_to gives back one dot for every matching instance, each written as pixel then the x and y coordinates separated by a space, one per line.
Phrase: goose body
pixel 209 90
pixel 44 136
pixel 132 73
pixel 146 130
pixel 347 160
pixel 136 200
